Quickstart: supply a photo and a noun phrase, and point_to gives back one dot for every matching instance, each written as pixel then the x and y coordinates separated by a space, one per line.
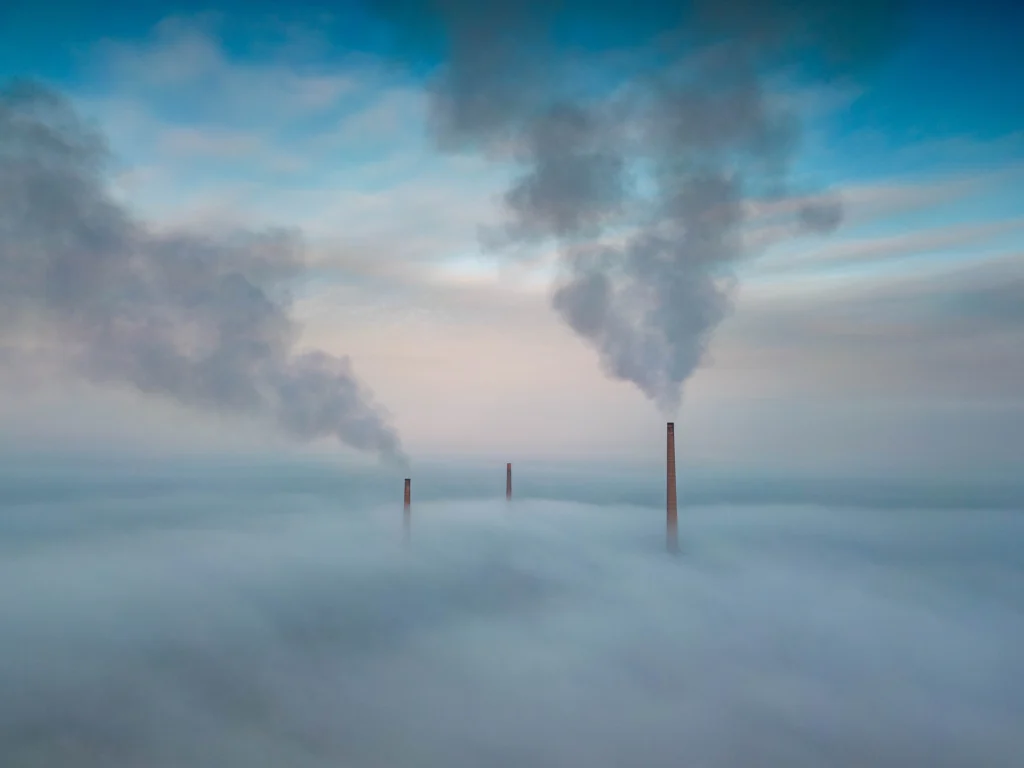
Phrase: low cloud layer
pixel 204 321
pixel 259 627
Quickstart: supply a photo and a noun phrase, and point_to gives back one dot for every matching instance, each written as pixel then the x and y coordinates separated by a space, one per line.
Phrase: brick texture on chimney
pixel 671 517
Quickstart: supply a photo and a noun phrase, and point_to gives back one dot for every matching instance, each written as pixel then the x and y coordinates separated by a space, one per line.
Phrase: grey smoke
pixel 578 182
pixel 821 216
pixel 638 150
pixel 202 320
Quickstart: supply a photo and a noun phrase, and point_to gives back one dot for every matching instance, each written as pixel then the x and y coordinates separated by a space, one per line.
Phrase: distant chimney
pixel 672 538
pixel 508 480
pixel 408 492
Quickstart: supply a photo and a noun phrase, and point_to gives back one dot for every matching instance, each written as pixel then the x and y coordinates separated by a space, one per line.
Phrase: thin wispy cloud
pixel 184 143
pixel 184 63
pixel 934 242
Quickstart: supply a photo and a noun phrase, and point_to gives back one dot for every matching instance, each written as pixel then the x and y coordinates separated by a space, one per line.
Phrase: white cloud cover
pixel 201 623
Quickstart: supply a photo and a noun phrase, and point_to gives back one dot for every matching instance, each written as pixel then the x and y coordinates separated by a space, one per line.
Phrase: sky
pixel 891 342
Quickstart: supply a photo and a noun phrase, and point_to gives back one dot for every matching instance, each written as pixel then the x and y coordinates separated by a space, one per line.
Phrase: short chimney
pixel 508 480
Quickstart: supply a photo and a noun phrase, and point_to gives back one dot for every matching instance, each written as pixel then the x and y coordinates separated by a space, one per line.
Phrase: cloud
pixel 330 146
pixel 924 241
pixel 184 63
pixel 203 321
pixel 182 98
pixel 768 220
pixel 947 331
pixel 399 207
pixel 192 143
pixel 387 119
pixel 965 152
pixel 545 633
pixel 429 217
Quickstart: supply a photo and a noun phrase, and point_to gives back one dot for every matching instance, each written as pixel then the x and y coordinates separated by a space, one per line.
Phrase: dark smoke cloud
pixel 204 321
pixel 821 216
pixel 640 128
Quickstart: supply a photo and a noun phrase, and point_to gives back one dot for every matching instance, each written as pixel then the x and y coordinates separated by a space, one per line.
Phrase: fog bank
pixel 205 628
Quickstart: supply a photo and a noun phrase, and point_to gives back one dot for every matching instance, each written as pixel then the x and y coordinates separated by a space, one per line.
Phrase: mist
pixel 641 132
pixel 261 621
pixel 90 291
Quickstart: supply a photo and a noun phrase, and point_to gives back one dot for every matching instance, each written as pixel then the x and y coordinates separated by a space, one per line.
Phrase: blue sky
pixel 255 114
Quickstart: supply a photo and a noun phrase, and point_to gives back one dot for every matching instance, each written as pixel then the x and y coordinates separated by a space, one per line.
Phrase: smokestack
pixel 672 539
pixel 407 516
pixel 508 480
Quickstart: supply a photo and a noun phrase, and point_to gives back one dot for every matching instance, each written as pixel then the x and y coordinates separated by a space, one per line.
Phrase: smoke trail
pixel 641 128
pixel 203 321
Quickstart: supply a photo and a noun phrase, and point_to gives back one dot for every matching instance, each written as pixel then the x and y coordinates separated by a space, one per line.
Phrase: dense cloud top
pixel 220 628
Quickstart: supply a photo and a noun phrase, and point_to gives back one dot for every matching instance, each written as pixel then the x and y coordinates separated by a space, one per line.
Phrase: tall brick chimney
pixel 508 480
pixel 407 514
pixel 672 538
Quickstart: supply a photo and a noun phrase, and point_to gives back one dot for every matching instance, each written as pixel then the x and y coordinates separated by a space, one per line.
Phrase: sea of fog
pixel 265 615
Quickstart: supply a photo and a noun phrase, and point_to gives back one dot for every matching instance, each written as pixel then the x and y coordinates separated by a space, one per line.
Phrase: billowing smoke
pixel 641 127
pixel 202 320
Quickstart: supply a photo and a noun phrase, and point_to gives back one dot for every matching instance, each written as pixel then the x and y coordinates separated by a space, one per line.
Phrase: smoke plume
pixel 204 321
pixel 640 128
